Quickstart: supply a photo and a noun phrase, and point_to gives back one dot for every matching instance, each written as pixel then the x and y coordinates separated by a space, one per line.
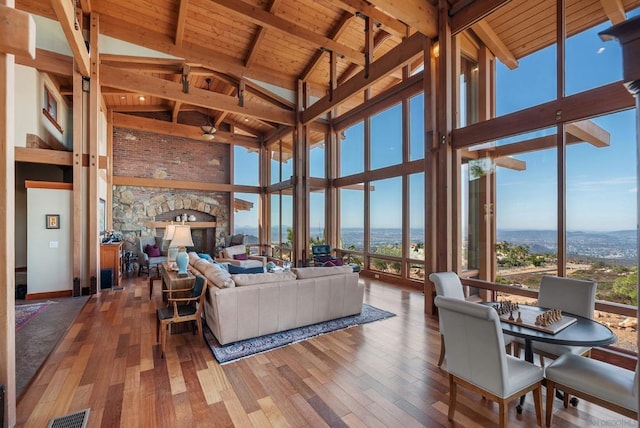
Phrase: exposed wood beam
pixel 604 99
pixel 48 62
pixel 419 14
pixel 256 90
pixel 257 39
pixel 66 17
pixel 489 37
pixel 224 114
pixel 277 134
pixel 394 59
pixel 45 156
pixel 86 6
pixel 388 23
pixel 242 126
pixel 142 108
pixel 17 32
pixel 180 184
pixel 193 54
pixel 161 88
pixel 352 69
pixel 175 111
pixel 258 16
pixel 121 120
pixel 511 163
pixel 180 23
pixel 472 12
pixel 588 131
pixel 336 32
pixel 614 10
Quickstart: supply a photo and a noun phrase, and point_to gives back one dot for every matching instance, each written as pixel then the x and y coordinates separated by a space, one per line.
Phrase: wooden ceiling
pixel 240 43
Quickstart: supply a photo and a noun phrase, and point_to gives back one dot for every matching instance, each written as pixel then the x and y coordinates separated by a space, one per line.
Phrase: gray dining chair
pixel 477 360
pixel 574 296
pixel 606 385
pixel 448 285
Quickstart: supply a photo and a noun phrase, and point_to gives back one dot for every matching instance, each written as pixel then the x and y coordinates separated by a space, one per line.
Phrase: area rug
pixel 248 347
pixel 25 313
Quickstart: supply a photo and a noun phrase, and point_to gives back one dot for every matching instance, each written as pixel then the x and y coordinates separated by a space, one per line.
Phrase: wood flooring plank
pixel 113 408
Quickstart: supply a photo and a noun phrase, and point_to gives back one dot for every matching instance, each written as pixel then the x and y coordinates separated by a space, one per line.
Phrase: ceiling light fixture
pixel 141 97
pixel 208 130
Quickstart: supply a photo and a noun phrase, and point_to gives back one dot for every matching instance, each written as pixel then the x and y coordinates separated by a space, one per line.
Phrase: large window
pixel 352 218
pixel 245 216
pixel 386 137
pixel 317 159
pixel 246 163
pixel 316 217
pixel 352 150
pixel 386 224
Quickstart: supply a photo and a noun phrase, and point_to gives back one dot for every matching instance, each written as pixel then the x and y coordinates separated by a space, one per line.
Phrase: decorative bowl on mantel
pixel 192 217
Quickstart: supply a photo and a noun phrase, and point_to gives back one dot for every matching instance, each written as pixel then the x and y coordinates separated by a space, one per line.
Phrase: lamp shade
pixel 182 237
pixel 169 231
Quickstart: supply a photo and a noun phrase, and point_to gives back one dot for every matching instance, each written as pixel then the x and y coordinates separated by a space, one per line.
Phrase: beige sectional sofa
pixel 243 306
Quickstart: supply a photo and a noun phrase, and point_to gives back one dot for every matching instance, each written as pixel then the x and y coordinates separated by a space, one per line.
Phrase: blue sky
pixel 601 184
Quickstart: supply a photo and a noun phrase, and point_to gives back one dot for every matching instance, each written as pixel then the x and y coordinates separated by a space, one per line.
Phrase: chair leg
pixel 199 324
pixel 541 361
pixel 441 358
pixel 453 389
pixel 157 329
pixel 565 399
pixel 551 392
pixel 537 401
pixel 163 339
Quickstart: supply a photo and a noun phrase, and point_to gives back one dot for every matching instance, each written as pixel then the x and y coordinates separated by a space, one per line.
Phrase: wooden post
pixel 18 40
pixel 92 234
pixel 301 183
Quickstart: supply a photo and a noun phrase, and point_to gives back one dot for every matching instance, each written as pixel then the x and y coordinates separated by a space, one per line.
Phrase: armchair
pixel 145 261
pixel 237 255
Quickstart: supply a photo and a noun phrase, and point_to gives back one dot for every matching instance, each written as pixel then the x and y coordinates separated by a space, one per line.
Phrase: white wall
pixel 27 101
pixel 49 251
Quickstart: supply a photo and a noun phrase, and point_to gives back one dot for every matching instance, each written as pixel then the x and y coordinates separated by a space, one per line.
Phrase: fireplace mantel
pixel 193 224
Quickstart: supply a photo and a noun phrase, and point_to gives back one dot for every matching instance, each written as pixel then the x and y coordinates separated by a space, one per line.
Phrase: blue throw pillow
pixel 233 269
pixel 205 256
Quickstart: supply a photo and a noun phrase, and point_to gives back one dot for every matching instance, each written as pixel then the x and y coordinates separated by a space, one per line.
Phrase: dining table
pixel 581 332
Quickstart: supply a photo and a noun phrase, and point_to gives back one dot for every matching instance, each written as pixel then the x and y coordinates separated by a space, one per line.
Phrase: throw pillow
pixel 153 251
pixel 233 269
pixel 218 276
pixel 229 252
pixel 262 278
pixel 205 256
pixel 242 256
pixel 329 263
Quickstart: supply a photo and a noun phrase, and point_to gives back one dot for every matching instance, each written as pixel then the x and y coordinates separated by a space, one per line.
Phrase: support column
pixel 17 36
pixel 93 236
pixel 301 182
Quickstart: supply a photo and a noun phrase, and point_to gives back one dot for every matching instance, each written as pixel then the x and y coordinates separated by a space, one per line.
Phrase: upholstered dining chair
pixel 448 285
pixel 606 385
pixel 477 360
pixel 181 309
pixel 574 296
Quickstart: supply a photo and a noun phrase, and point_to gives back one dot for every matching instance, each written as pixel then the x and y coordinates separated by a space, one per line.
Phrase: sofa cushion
pixel 233 269
pixel 217 275
pixel 193 257
pixel 262 278
pixel 314 272
pixel 229 252
pixel 201 264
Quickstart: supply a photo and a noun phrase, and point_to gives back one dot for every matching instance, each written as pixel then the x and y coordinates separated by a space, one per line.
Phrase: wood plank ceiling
pixel 236 43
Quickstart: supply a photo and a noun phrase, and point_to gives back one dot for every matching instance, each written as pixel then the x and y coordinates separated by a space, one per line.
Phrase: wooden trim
pixel 52 120
pixel 179 184
pixel 32 184
pixel 48 62
pixel 78 182
pixel 381 173
pixel 17 32
pixel 43 156
pixel 609 98
pixel 192 224
pixel 49 295
pixel 91 233
pixel 180 25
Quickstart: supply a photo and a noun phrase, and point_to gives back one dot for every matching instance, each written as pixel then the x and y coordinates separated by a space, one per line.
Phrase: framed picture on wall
pixel 53 221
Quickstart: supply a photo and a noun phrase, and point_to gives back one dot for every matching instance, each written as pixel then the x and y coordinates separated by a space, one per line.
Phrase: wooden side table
pixel 171 280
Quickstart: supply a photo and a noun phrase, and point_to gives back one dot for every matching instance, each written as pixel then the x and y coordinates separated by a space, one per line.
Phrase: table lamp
pixel 181 240
pixel 168 236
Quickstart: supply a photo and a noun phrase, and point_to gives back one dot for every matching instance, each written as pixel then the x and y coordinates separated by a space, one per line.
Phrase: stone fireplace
pixel 136 211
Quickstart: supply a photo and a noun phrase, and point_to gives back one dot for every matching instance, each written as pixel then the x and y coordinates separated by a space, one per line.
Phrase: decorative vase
pixel 184 217
pixel 192 217
pixel 182 260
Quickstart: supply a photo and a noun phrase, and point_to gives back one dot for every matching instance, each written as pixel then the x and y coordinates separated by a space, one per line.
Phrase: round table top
pixel 584 332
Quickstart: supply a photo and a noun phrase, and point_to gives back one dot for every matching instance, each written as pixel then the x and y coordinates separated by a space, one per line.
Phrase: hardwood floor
pixel 378 374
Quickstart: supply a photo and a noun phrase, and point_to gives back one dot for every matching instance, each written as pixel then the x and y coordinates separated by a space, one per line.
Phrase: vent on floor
pixel 73 420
